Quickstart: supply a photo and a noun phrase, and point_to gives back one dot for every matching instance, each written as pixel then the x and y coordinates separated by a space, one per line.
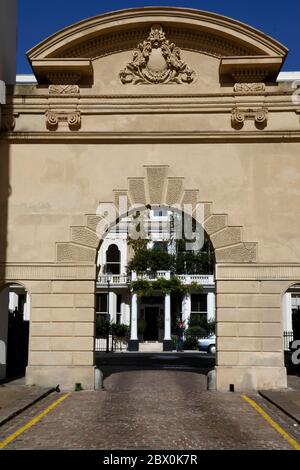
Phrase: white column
pixel 13 301
pixel 133 323
pixel 112 306
pixel 287 312
pixel 26 315
pixel 167 336
pixel 211 307
pixel 186 309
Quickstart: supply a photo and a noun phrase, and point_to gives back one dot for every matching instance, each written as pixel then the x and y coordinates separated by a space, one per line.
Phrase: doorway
pixel 14 331
pixel 151 318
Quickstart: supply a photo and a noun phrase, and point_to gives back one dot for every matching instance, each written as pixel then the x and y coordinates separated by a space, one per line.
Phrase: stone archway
pixel 86 62
pixel 159 188
pixel 156 187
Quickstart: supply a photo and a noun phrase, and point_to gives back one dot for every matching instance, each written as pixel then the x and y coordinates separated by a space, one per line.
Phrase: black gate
pixel 17 345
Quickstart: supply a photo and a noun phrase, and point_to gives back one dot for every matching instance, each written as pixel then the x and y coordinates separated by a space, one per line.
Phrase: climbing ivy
pixel 174 286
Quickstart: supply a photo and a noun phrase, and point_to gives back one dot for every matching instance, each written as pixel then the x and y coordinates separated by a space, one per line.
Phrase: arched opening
pixel 167 278
pixel 113 259
pixel 14 330
pixel 290 322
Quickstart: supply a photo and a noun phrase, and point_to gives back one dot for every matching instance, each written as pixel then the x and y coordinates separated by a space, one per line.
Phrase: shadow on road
pixel 111 363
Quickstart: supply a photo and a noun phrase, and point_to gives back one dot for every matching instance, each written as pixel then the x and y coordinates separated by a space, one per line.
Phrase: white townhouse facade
pixel 116 300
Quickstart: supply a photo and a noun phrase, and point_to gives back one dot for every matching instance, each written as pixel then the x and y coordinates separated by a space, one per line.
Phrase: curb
pixel 20 410
pixel 281 408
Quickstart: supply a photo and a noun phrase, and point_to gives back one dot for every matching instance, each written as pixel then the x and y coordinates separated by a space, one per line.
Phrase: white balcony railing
pixel 123 279
pixel 113 279
pixel 205 280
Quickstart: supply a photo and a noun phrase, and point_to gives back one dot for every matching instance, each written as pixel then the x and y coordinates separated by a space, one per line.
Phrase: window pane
pixel 113 268
pixel 199 302
pixel 113 254
pixel 101 303
pixel 119 300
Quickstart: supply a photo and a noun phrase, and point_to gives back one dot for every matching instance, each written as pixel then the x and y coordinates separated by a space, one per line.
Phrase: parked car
pixel 207 344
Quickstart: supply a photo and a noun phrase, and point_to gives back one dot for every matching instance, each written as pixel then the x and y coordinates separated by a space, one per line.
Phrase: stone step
pixel 151 346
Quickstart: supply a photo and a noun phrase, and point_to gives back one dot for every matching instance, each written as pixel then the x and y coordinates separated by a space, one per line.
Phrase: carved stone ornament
pixel 53 118
pixel 63 89
pixel 58 77
pixel 157 61
pixel 249 87
pixel 239 116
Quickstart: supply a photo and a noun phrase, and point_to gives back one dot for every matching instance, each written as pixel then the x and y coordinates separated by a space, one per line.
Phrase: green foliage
pixel 141 287
pixel 191 262
pixel 199 326
pixel 191 343
pixel 102 326
pixel 145 260
pixel 166 286
pixel 119 330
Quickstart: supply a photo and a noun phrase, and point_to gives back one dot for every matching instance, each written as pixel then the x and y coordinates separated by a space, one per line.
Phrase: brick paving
pixel 148 410
pixel 16 396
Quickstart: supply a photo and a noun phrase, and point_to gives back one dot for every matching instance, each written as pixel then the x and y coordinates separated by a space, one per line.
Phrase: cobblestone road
pixel 147 410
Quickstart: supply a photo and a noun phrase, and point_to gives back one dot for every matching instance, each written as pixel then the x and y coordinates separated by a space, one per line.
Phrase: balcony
pixel 122 280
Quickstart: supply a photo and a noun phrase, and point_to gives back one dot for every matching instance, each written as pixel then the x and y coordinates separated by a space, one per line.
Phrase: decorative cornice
pixel 165 137
pixel 186 39
pixel 248 75
pixel 47 271
pixel 260 272
pixel 53 118
pixel 66 89
pixel 157 61
pixel 240 115
pixel 243 39
pixel 63 71
pixel 249 69
pixel 245 88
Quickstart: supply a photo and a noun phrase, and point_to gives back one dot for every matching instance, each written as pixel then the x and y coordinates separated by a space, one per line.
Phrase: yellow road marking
pixel 32 422
pixel 272 423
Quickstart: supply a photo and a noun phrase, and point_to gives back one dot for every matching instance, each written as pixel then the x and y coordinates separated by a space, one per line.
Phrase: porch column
pixel 167 343
pixel 287 312
pixel 186 309
pixel 211 307
pixel 112 302
pixel 133 344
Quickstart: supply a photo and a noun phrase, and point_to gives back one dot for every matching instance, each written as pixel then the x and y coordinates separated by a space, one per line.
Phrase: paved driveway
pixel 147 409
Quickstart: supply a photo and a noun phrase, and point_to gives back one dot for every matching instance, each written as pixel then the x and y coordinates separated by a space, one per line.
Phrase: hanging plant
pixel 141 287
pixel 166 286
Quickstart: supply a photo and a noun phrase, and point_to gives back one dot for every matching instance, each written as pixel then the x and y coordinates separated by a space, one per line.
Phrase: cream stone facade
pixel 166 106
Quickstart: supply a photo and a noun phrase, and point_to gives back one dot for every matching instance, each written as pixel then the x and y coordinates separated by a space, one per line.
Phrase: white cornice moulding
pixel 25 78
pixel 282 77
pixel 288 76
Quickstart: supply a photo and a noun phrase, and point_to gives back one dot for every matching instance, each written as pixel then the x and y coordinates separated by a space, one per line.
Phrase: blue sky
pixel 38 19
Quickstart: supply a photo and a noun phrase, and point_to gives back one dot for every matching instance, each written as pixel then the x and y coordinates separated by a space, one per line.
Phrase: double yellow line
pixel 32 422
pixel 271 422
pixel 251 402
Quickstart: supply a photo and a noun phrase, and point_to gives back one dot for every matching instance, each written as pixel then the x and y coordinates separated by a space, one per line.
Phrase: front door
pixel 151 318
